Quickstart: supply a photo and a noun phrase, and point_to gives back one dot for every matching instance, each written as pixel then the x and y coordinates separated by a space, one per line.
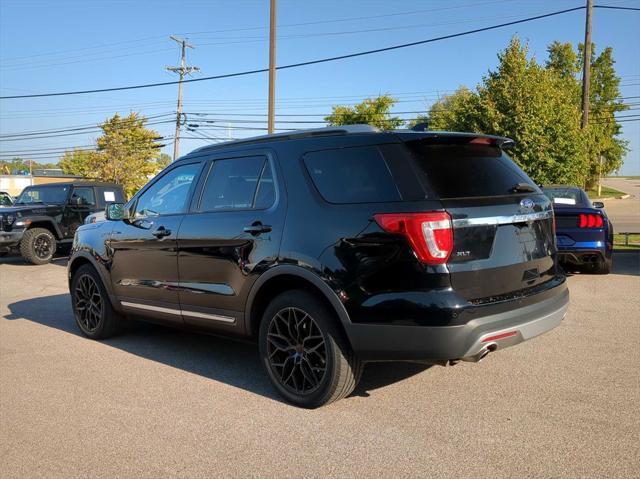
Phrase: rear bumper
pixel 468 342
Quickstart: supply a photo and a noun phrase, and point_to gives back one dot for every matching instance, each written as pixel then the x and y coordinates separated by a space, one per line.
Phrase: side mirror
pixel 115 212
pixel 598 204
pixel 75 201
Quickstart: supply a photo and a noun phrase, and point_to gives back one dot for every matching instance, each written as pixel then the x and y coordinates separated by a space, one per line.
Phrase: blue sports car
pixel 584 233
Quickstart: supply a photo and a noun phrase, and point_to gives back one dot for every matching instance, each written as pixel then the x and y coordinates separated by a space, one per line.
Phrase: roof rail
pixel 296 134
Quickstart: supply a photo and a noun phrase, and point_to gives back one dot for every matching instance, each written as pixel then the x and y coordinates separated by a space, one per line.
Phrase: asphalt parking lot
pixel 163 403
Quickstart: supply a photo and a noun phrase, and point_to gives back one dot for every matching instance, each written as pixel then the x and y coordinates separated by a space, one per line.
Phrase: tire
pixel 316 370
pixel 97 320
pixel 38 246
pixel 602 267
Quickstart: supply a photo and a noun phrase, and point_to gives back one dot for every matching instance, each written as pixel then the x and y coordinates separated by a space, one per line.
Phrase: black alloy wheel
pixel 42 246
pixel 92 308
pixel 305 351
pixel 88 303
pixel 297 350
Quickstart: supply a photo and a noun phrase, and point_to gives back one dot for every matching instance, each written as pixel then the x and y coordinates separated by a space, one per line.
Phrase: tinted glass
pixel 564 196
pixel 86 196
pixel 266 194
pixel 56 194
pixel 460 171
pixel 232 184
pixel 169 194
pixel 109 195
pixel 351 175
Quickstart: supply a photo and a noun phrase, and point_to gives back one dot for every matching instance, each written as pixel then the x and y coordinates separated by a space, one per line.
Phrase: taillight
pixel 591 221
pixel 430 234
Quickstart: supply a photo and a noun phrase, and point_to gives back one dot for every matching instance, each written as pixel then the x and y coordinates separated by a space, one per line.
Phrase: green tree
pixel 163 160
pixel 371 111
pixel 604 130
pixel 79 162
pixel 126 154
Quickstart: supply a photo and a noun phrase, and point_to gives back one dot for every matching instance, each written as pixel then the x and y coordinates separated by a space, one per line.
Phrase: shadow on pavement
pixel 626 263
pixel 19 261
pixel 220 359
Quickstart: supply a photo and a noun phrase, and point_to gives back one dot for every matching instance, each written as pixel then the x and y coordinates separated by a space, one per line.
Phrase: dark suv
pixel 47 216
pixel 331 248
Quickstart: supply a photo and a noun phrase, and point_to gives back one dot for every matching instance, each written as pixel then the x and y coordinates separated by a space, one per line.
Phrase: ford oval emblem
pixel 526 203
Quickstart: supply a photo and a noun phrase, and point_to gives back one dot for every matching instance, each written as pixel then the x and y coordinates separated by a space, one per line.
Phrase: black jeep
pixel 46 216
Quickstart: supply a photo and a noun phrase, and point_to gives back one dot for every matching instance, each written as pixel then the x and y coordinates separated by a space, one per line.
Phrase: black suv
pixel 46 216
pixel 331 248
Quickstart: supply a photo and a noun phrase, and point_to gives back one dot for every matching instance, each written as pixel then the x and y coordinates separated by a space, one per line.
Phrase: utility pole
pixel 272 67
pixel 183 70
pixel 586 65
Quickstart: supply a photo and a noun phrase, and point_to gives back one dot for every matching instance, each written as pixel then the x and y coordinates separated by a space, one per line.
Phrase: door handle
pixel 161 232
pixel 256 228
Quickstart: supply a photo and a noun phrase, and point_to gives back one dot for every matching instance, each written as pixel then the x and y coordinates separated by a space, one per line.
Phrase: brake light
pixel 430 234
pixel 591 221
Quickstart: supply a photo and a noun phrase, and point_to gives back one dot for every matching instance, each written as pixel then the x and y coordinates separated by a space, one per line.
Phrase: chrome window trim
pixel 502 220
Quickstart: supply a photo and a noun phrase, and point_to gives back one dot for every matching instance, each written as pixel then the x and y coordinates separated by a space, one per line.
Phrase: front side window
pixel 50 194
pixel 85 195
pixel 169 194
pixel 238 183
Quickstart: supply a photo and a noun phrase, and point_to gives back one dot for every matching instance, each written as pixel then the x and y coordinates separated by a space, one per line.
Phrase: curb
pixel 623 197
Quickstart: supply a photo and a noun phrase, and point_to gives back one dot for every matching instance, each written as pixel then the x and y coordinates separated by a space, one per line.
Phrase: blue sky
pixel 66 45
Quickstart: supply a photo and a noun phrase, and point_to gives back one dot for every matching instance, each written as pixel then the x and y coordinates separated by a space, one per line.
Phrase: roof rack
pixel 293 135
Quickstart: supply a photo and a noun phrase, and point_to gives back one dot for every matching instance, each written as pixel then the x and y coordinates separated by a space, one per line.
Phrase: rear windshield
pixel 461 171
pixel 564 196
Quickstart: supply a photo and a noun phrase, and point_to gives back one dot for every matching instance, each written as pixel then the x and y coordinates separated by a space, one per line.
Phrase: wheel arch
pixel 46 223
pixel 81 258
pixel 284 278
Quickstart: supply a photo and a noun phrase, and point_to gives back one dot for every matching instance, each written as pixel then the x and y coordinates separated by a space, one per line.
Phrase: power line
pixel 70 128
pixel 306 63
pixel 617 8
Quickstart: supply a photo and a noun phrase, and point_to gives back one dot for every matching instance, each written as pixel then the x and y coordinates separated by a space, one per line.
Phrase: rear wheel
pixel 305 352
pixel 38 245
pixel 602 267
pixel 91 305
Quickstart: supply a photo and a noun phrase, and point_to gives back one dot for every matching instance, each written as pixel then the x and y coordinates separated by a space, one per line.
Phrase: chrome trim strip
pixel 150 308
pixel 502 220
pixel 214 317
pixel 193 314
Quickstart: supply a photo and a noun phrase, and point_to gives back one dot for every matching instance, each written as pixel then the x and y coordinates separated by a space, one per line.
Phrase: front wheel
pixel 37 246
pixel 305 352
pixel 91 305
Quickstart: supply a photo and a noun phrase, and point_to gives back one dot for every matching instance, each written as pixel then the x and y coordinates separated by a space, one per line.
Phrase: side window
pixel 266 194
pixel 233 183
pixel 169 194
pixel 86 195
pixel 109 195
pixel 351 175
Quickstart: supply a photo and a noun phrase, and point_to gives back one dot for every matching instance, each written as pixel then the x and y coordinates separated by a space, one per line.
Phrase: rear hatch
pixel 503 235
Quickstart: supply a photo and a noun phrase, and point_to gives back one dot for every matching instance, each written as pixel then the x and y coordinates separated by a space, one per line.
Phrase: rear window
pixel 461 171
pixel 109 194
pixel 564 196
pixel 351 175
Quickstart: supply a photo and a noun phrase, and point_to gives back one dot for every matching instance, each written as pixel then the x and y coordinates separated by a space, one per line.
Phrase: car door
pixel 82 202
pixel 144 270
pixel 232 232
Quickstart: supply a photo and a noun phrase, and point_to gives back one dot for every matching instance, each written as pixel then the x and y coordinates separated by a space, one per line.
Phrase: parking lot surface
pixel 163 403
pixel 624 214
